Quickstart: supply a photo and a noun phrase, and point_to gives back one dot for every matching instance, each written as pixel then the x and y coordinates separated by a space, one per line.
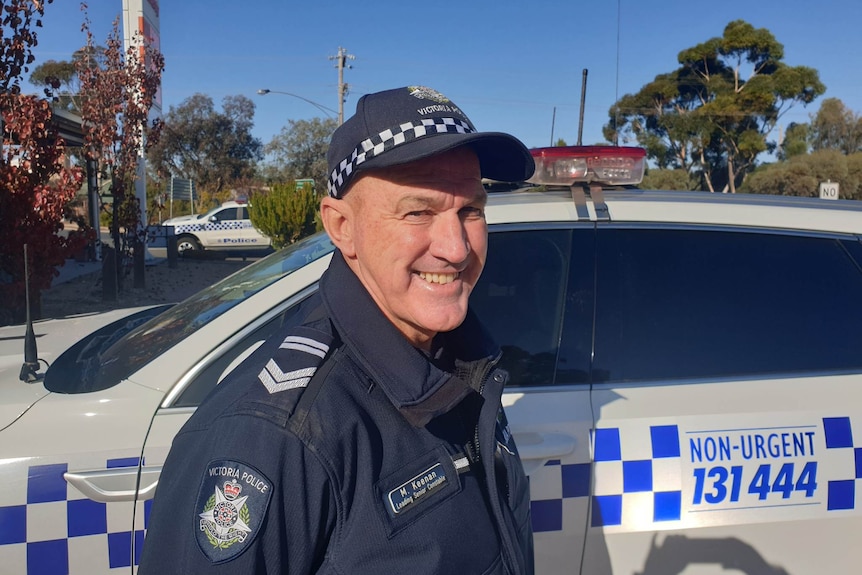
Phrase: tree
pixel 17 40
pixel 832 165
pixel 835 127
pixel 801 175
pixel 215 149
pixel 35 183
pixel 782 179
pixel 664 179
pixel 285 213
pixel 118 95
pixel 712 116
pixel 59 78
pixel 854 173
pixel 299 151
pixel 795 141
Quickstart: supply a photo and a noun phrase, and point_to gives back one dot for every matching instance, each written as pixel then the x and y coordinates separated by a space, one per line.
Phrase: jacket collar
pixel 415 386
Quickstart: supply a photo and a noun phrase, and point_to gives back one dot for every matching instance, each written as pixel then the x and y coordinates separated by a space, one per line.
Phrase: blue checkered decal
pixel 628 480
pixel 213 226
pixel 841 493
pixel 185 228
pixel 53 535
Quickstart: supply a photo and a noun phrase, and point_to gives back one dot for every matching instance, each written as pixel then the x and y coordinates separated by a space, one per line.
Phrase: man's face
pixel 419 240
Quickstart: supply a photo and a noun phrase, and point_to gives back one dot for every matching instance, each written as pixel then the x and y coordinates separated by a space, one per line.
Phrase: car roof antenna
pixel 30 369
pixel 583 102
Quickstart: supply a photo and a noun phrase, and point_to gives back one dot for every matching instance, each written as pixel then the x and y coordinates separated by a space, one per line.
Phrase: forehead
pixel 441 171
pixel 458 163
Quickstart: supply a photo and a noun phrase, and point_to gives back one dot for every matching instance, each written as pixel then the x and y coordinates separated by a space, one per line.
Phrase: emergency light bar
pixel 567 165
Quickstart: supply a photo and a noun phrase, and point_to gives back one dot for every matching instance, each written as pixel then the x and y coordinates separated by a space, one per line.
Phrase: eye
pixel 472 212
pixel 419 214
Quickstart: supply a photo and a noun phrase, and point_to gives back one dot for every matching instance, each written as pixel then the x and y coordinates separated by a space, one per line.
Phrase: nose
pixel 449 239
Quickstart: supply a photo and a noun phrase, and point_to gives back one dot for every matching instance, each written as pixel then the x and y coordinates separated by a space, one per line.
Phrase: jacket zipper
pixel 488 369
pixel 505 540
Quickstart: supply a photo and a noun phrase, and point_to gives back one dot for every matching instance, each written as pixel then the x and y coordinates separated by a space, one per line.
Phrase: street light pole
pixel 328 111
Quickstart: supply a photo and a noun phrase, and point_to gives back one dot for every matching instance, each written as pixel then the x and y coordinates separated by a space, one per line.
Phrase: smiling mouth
pixel 437 278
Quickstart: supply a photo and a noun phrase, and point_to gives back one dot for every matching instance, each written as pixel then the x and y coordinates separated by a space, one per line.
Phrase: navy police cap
pixel 398 126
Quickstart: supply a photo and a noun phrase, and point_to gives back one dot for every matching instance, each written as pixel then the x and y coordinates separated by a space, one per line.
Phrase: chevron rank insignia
pixel 296 360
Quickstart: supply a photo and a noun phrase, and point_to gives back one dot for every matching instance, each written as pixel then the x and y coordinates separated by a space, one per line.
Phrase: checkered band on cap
pixel 388 139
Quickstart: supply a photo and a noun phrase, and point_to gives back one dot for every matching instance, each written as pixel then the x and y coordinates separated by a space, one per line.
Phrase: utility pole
pixel 341 64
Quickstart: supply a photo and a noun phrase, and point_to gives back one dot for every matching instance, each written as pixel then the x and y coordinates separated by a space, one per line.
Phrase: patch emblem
pixel 428 94
pixel 231 505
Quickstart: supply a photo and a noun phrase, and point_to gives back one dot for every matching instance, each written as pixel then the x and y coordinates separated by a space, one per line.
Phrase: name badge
pixel 416 489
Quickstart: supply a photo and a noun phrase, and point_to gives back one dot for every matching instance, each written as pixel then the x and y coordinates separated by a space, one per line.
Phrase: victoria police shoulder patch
pixel 231 504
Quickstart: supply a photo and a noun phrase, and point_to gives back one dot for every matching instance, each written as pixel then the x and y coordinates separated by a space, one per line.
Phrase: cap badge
pixel 427 94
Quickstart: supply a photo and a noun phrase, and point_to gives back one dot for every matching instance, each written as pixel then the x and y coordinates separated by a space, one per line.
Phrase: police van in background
pixel 224 228
pixel 685 381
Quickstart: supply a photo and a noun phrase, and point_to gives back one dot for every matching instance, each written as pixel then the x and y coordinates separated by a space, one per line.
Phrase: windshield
pixel 212 212
pixel 122 354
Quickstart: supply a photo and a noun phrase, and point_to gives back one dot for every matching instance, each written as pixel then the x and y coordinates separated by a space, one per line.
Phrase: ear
pixel 338 220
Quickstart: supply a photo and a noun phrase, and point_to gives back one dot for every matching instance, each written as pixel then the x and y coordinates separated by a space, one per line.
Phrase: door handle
pixel 537 448
pixel 110 485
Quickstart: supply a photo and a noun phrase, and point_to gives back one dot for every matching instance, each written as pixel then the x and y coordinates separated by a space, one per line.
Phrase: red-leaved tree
pixel 35 183
pixel 117 95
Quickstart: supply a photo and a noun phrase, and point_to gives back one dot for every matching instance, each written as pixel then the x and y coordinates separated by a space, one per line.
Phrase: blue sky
pixel 507 63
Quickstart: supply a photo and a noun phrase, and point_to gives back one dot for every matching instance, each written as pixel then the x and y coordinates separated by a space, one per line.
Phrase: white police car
pixel 685 382
pixel 224 228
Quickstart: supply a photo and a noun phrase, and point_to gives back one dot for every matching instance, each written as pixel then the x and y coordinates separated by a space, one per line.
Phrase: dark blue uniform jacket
pixel 339 448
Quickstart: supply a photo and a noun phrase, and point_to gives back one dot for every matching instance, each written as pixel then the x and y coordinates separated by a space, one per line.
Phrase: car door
pixel 536 296
pixel 224 229
pixel 726 383
pixel 70 461
pixel 251 237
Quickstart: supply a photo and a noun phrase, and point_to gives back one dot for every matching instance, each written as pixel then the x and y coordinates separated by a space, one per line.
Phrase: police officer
pixel 368 437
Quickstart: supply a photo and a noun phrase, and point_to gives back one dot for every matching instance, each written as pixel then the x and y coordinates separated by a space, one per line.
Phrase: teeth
pixel 438 278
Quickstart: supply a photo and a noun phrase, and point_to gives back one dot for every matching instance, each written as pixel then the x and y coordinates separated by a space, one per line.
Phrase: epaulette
pixel 292 361
pixel 294 364
pixel 296 360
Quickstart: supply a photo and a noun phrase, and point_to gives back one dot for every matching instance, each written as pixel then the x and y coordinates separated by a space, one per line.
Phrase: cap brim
pixel 501 157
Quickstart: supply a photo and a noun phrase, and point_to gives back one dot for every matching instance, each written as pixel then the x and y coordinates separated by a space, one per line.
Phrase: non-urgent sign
pixel 724 470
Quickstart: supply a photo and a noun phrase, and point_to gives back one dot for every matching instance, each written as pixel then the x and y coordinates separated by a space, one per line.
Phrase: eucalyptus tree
pixel 215 148
pixel 713 115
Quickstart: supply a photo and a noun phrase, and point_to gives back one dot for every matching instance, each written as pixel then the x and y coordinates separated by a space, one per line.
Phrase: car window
pixel 520 298
pixel 213 374
pixel 228 214
pixel 576 344
pixel 110 359
pixel 211 212
pixel 694 303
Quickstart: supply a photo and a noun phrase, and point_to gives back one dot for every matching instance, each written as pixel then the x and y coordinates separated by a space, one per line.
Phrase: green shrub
pixel 286 212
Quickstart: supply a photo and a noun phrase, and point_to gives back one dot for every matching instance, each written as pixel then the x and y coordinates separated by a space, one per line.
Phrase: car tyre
pixel 187 243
